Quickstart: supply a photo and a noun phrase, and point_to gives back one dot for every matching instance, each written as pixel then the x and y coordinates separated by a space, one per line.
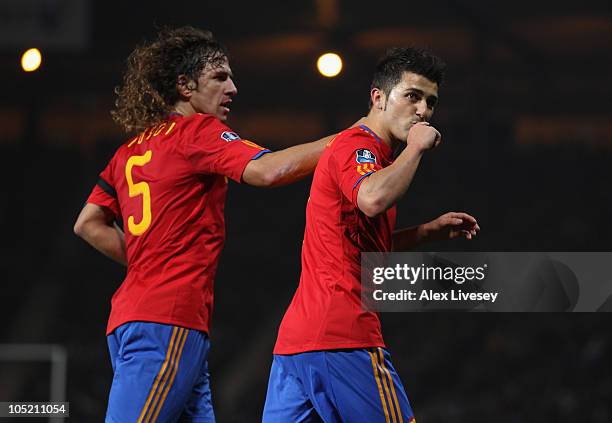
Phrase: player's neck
pixel 184 108
pixel 375 124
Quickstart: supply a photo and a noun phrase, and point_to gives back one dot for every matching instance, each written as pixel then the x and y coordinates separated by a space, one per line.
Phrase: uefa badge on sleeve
pixel 230 136
pixel 365 156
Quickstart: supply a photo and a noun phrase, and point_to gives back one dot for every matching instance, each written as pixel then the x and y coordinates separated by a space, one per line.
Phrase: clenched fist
pixel 423 136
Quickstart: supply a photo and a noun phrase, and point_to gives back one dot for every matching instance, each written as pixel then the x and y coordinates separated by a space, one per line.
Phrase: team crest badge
pixel 365 156
pixel 230 136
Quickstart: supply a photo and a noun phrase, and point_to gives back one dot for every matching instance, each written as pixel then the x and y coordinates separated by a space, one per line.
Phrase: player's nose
pixel 422 108
pixel 423 111
pixel 231 88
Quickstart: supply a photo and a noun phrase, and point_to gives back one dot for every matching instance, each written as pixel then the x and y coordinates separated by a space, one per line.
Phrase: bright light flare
pixel 31 60
pixel 329 64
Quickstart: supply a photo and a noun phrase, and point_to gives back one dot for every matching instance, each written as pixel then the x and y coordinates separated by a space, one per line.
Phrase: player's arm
pixel 285 166
pixel 288 165
pixel 382 189
pixel 96 225
pixel 448 226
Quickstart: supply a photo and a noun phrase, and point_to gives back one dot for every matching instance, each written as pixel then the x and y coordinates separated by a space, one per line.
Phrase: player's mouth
pixel 413 122
pixel 226 105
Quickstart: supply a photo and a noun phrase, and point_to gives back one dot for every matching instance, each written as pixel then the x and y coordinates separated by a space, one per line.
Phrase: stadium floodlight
pixel 31 60
pixel 329 64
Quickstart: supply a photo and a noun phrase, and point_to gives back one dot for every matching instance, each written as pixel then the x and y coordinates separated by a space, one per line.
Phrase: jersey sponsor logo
pixel 230 136
pixel 365 156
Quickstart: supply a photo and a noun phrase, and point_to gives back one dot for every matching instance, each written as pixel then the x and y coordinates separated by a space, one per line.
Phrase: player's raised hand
pixel 424 136
pixel 452 225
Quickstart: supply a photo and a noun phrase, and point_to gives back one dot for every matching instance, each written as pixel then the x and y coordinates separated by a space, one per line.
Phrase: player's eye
pixel 431 102
pixel 413 97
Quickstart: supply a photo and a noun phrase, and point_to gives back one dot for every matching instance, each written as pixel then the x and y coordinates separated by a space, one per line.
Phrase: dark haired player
pixel 330 361
pixel 168 185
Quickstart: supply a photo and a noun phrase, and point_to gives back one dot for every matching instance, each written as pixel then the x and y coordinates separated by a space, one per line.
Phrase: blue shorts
pixel 336 386
pixel 160 374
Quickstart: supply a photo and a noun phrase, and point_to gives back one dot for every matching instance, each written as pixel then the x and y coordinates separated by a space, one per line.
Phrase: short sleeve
pixel 104 193
pixel 213 148
pixel 356 157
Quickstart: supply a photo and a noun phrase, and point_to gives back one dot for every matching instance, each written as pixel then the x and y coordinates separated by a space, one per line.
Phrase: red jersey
pixel 326 311
pixel 168 185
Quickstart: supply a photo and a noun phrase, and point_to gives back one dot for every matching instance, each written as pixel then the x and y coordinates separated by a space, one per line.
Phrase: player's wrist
pixel 415 149
pixel 424 232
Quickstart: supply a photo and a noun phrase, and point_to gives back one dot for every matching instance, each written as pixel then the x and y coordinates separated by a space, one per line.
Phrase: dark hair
pixel 398 60
pixel 149 92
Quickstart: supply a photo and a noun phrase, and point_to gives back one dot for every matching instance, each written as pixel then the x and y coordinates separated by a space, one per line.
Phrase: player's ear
pixel 185 86
pixel 377 96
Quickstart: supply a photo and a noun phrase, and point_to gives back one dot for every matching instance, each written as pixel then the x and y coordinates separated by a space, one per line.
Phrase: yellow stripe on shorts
pixel 169 371
pixel 385 371
pixel 380 391
pixel 159 375
pixel 384 384
pixel 173 375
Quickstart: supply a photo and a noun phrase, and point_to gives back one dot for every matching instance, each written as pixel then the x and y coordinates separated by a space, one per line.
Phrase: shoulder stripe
pixel 361 178
pixel 369 131
pixel 261 153
pixel 106 187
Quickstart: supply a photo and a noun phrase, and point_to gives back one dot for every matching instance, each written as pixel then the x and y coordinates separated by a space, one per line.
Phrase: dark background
pixel 526 118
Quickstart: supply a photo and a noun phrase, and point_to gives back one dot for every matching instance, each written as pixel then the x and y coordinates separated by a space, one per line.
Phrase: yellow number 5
pixel 141 188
